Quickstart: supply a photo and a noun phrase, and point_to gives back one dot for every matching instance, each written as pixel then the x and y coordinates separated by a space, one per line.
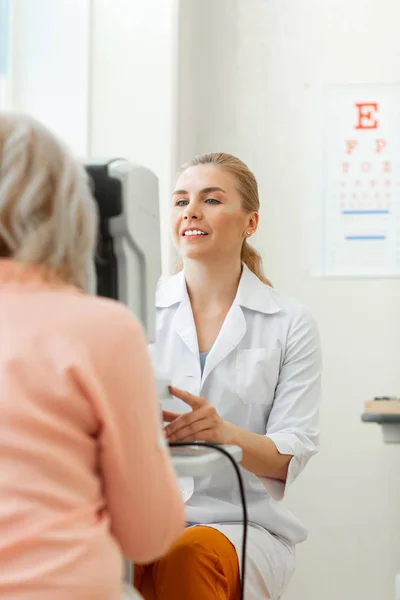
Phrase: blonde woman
pixel 245 364
pixel 83 477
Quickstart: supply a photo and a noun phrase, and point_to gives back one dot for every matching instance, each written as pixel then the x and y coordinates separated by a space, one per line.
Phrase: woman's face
pixel 208 221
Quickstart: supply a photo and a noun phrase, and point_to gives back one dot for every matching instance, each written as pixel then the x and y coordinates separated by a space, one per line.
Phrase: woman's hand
pixel 203 423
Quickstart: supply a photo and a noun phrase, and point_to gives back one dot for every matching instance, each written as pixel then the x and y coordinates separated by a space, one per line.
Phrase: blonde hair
pixel 47 214
pixel 246 183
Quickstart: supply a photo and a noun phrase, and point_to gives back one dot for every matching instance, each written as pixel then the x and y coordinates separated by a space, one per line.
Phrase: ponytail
pixel 252 259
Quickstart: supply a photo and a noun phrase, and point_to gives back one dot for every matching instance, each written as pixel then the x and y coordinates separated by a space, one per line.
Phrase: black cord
pixel 222 450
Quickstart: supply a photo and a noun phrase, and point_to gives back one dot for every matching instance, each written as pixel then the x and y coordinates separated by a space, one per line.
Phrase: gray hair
pixel 48 216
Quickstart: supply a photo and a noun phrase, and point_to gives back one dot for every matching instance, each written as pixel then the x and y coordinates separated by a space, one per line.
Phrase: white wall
pixel 102 75
pixel 207 84
pixel 244 69
pixel 133 89
pixel 50 79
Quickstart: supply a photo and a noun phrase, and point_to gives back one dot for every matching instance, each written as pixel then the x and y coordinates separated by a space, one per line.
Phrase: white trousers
pixel 129 593
pixel 270 561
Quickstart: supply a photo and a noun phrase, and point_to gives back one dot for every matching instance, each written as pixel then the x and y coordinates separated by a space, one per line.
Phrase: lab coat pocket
pixel 257 374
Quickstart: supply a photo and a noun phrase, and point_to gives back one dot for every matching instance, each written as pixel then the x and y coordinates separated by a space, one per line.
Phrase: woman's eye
pixel 181 202
pixel 213 201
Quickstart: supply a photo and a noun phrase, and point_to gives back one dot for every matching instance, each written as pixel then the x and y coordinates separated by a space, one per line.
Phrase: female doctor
pixel 244 362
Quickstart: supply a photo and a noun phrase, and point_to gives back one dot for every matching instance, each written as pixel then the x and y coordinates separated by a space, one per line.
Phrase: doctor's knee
pixel 200 544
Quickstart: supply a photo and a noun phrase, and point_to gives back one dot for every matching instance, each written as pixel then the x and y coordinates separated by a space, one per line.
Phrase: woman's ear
pixel 252 224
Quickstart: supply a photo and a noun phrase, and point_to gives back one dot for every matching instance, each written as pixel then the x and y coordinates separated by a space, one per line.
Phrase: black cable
pixel 222 450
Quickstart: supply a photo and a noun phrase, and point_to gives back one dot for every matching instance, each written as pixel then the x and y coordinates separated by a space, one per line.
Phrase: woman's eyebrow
pixel 206 190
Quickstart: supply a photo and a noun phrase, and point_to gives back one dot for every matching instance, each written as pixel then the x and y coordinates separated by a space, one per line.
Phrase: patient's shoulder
pixel 100 317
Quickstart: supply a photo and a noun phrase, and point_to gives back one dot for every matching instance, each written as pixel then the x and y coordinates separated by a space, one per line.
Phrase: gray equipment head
pixel 128 259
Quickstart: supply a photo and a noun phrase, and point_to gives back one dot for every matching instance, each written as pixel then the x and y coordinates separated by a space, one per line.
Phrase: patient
pixel 84 478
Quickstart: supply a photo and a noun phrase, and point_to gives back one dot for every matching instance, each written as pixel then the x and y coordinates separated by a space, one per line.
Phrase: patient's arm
pixel 147 512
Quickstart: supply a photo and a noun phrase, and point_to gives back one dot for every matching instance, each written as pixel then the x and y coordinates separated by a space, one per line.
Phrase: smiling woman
pixel 4 62
pixel 243 362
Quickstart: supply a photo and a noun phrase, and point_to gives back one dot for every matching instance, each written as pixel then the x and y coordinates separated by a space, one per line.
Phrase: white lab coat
pixel 263 374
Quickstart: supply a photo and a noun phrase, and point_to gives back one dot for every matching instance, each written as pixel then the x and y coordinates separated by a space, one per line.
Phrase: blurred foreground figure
pixel 84 478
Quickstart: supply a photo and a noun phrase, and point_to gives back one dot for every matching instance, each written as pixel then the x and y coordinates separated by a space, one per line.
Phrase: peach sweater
pixel 83 477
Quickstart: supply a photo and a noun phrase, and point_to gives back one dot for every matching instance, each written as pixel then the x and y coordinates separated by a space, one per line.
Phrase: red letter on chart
pixel 380 145
pixel 365 112
pixel 350 145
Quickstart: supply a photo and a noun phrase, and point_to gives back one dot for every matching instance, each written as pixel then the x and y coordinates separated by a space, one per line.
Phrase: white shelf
pixel 197 461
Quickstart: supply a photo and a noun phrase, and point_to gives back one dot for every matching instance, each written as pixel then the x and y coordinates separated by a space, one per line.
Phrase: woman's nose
pixel 191 211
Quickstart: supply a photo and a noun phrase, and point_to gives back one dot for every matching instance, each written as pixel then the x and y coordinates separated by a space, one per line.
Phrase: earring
pixel 247 232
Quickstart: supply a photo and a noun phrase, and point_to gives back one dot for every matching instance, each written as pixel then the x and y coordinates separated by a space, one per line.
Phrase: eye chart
pixel 359 181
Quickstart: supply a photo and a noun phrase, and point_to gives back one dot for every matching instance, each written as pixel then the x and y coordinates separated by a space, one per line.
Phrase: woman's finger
pixel 193 401
pixel 187 419
pixel 192 432
pixel 169 416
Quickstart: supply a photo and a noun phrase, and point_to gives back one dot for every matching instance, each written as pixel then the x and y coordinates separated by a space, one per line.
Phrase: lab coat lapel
pixel 185 327
pixel 252 294
pixel 172 291
pixel 232 332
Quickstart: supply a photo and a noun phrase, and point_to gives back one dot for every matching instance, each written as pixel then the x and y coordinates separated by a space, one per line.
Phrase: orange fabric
pixel 202 564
